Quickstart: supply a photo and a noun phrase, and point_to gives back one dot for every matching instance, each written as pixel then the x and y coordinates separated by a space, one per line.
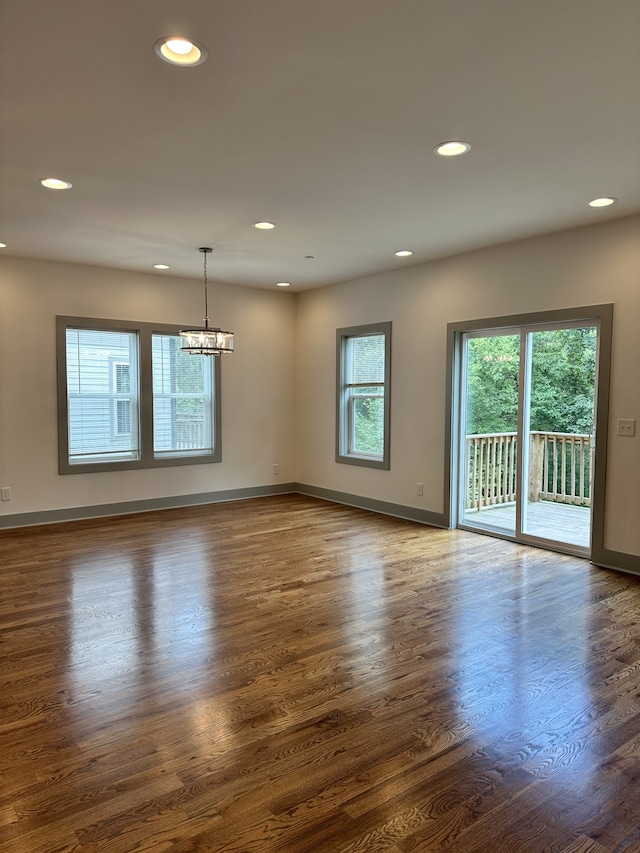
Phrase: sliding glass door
pixel 489 445
pixel 527 434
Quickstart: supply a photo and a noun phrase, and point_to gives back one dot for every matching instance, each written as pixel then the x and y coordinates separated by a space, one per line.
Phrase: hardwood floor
pixel 285 674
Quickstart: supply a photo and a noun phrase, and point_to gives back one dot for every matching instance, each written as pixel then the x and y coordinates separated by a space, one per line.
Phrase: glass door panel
pixel 559 434
pixel 489 480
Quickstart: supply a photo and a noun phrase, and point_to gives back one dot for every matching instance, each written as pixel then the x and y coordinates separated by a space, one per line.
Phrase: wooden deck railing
pixel 189 432
pixel 491 469
pixel 560 467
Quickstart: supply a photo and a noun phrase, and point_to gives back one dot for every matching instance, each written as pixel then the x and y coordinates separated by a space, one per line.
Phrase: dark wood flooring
pixel 285 674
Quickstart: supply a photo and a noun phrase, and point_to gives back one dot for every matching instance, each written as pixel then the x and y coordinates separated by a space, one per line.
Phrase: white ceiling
pixel 319 116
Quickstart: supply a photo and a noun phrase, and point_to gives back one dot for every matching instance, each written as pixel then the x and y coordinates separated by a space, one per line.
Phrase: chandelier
pixel 206 341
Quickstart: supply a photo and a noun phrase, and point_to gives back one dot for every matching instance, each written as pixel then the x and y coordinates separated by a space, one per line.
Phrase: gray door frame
pixel 601 315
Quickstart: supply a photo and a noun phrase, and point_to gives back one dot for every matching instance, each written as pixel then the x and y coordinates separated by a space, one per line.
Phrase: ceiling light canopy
pixel 56 184
pixel 602 202
pixel 180 51
pixel 206 341
pixel 454 148
pixel 264 226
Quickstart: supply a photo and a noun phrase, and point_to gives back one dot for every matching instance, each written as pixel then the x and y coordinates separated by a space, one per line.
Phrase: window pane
pixel 367 425
pixel 182 399
pixel 365 359
pixel 122 378
pixel 102 396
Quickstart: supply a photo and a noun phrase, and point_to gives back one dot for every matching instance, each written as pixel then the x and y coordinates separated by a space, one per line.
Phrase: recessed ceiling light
pixel 264 226
pixel 161 266
pixel 56 184
pixel 452 149
pixel 3 245
pixel 602 202
pixel 283 284
pixel 180 51
pixel 404 253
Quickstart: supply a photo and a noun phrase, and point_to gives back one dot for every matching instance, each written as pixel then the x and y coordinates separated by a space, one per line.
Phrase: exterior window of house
pixel 122 389
pixel 128 397
pixel 363 395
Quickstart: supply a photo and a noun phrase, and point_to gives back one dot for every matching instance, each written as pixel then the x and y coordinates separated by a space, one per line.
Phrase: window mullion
pixel 364 384
pixel 145 383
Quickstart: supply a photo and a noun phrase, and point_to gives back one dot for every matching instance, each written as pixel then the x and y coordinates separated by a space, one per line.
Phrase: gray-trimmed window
pixel 363 362
pixel 128 397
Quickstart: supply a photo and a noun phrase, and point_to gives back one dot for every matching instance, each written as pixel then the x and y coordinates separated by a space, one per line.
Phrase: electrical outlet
pixel 626 426
pixel 419 489
pixel 276 468
pixel 5 494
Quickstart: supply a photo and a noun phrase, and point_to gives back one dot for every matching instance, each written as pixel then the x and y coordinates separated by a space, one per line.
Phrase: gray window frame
pixel 147 458
pixel 343 397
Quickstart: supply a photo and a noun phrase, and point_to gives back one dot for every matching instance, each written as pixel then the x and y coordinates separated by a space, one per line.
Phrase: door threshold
pixel 532 542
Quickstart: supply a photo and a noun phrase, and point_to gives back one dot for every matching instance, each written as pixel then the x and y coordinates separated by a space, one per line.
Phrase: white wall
pixel 593 265
pixel 257 382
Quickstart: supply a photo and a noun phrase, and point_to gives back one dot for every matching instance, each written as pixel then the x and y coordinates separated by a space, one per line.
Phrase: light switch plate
pixel 626 426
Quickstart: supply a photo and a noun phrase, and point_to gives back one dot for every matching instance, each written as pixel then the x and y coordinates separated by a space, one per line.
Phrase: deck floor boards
pixel 548 520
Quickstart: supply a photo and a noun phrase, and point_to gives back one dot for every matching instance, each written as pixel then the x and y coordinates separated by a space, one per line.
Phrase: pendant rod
pixel 205 250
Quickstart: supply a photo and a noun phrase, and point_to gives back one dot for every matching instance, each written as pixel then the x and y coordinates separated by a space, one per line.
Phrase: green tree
pixel 369 424
pixel 563 364
pixel 492 384
pixel 563 369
